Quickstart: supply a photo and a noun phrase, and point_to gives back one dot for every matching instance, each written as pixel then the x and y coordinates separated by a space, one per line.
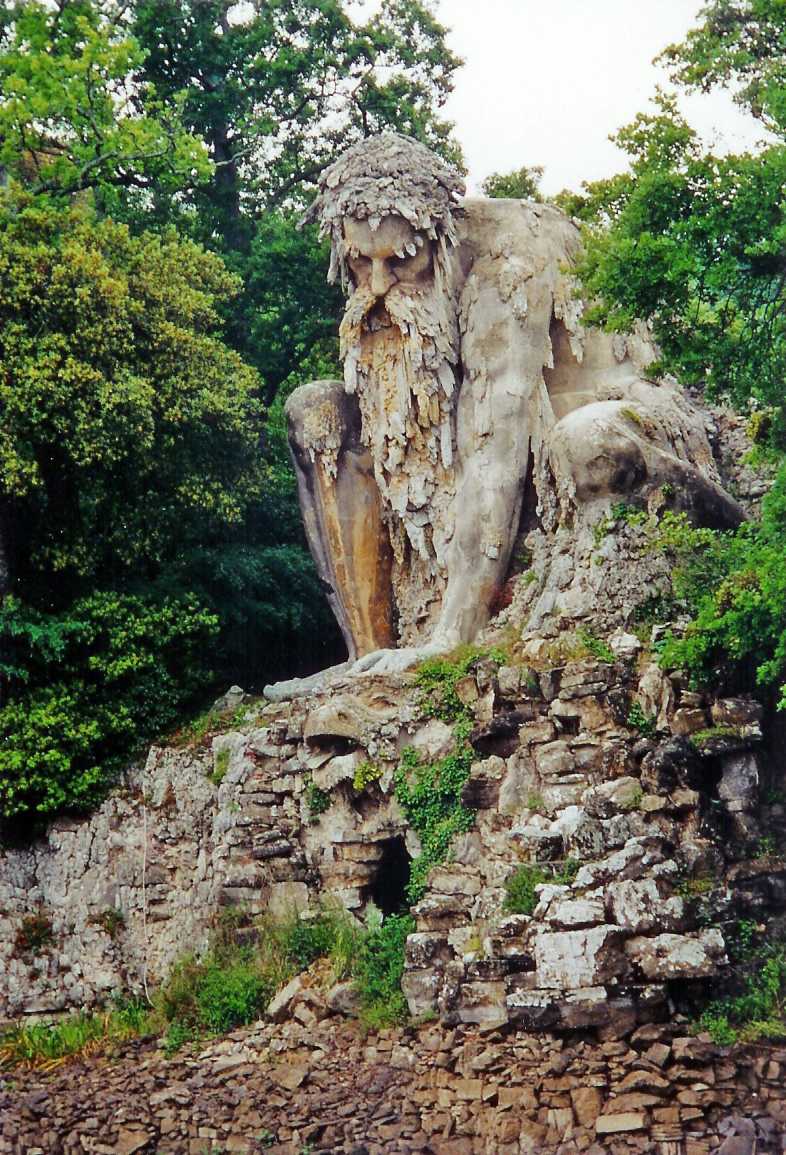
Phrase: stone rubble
pixel 286 1089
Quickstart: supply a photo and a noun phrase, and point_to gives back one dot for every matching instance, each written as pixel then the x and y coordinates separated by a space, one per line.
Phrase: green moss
pixel 702 738
pixel 220 766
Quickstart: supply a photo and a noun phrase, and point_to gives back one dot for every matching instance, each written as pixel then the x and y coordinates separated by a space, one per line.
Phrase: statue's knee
pixel 318 405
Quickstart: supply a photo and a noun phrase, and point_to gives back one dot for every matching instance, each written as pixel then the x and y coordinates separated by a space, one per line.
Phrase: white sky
pixel 545 83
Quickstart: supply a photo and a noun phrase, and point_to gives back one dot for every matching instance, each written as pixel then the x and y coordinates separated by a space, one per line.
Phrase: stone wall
pixel 559 773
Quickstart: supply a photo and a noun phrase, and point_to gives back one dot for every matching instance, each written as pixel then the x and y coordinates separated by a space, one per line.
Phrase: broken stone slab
pixel 679 956
pixel 609 798
pixel 688 721
pixel 424 948
pixel 736 712
pixel 637 906
pixel 339 769
pixel 559 908
pixel 433 741
pixel 482 1002
pixel 624 646
pixel 634 860
pixel 624 1121
pixel 344 999
pixel 567 960
pixel 739 783
pixel 421 989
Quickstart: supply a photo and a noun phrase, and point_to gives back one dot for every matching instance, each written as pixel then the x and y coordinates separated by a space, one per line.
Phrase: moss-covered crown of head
pixel 384 175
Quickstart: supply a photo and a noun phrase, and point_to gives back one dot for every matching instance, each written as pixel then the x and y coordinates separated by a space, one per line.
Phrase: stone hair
pixel 385 175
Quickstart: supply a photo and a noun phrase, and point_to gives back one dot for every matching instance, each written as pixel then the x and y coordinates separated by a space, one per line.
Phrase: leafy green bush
pixel 86 687
pixel 379 969
pixel 760 1010
pixel 734 586
pixel 638 720
pixel 317 800
pixel 430 796
pixel 520 896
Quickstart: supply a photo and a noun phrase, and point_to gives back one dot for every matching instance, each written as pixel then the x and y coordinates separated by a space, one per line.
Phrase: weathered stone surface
pixel 675 956
pixel 639 907
pixel 579 958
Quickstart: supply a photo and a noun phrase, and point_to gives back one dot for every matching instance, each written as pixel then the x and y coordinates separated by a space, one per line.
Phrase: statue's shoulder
pixel 494 226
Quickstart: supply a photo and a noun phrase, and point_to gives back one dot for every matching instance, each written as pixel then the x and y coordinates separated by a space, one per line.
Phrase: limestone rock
pixel 579 958
pixel 678 956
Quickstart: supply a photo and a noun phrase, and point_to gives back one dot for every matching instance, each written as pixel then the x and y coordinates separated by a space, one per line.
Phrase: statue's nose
pixel 381 278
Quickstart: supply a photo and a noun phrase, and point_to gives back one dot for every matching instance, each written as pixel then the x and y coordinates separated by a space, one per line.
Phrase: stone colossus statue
pixel 469 380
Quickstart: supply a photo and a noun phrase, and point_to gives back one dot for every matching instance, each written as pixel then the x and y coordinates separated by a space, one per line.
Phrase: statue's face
pixel 373 258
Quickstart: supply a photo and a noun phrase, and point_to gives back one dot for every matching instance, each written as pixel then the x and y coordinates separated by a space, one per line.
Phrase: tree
pixel 739 44
pixel 523 184
pixel 129 429
pixel 74 112
pixel 696 243
pixel 278 91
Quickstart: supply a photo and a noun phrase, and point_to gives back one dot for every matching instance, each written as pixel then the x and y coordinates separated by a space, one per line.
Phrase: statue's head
pixel 388 205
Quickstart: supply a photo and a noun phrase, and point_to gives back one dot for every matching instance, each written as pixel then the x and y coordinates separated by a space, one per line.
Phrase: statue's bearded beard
pixel 400 357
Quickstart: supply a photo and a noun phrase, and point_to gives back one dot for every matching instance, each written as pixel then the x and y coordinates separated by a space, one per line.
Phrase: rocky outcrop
pixel 299 806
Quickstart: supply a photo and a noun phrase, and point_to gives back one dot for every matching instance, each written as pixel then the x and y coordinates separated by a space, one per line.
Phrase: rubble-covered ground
pixel 292 1089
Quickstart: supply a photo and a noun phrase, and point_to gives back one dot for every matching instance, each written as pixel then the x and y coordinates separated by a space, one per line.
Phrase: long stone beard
pixel 401 361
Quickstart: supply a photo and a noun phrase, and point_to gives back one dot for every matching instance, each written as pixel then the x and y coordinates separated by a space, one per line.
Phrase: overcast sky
pixel 546 82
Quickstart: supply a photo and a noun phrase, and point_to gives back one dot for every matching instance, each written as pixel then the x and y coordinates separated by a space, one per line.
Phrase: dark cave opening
pixel 389 885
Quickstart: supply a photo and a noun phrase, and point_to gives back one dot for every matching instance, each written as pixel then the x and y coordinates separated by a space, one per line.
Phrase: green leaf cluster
pixel 87 687
pixel 430 796
pixel 734 586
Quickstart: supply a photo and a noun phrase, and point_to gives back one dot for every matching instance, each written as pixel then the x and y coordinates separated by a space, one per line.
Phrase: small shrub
pixel 318 801
pixel 229 996
pixel 365 775
pixel 638 720
pixel 520 896
pixel 596 647
pixel 34 934
pixel 380 966
pixel 766 847
pixel 110 920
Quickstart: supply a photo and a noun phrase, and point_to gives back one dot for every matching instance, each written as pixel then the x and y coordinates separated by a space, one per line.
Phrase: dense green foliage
pixel 144 474
pixel 86 686
pixel 734 586
pixel 756 1010
pixel 696 243
pixel 430 796
pixel 523 184
pixel 380 965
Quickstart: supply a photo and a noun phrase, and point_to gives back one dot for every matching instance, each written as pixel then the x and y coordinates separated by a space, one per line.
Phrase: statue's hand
pixel 395 661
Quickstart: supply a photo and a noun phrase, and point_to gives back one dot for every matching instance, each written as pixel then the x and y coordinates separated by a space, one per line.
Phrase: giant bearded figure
pixel 469 382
